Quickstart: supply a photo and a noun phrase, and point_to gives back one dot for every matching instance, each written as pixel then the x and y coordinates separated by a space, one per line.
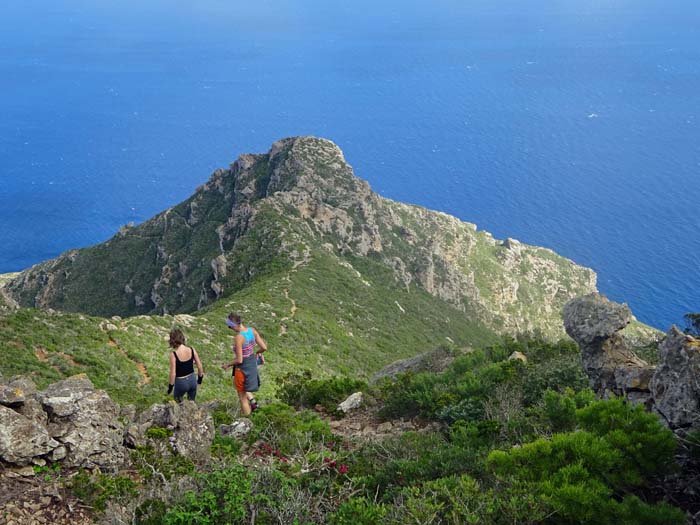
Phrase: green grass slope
pixel 328 316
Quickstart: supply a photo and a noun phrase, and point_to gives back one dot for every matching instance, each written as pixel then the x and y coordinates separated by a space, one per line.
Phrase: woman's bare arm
pixel 239 349
pixel 260 341
pixel 172 369
pixel 200 370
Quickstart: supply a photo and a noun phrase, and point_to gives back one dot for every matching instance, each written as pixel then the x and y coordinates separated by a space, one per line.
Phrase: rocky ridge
pixel 74 423
pixel 671 388
pixel 272 212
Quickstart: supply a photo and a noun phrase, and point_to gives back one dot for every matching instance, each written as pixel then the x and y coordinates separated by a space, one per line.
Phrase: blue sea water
pixel 571 124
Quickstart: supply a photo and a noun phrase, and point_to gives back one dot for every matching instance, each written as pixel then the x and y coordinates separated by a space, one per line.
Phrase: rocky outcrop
pixel 70 421
pixel 675 387
pixel 671 388
pixel 7 302
pixel 21 439
pixel 85 421
pixel 16 391
pixel 612 367
pixel 302 196
pixel 189 428
pixel 434 361
pixel 73 422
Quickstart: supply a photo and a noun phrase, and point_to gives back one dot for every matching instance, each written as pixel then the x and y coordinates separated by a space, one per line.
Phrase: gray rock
pixel 630 378
pixel 676 382
pixel 385 427
pixel 434 361
pixel 59 453
pixel 86 422
pixel 62 399
pixel 517 356
pixel 672 387
pixel 26 472
pixel 238 429
pixel 192 427
pixel 22 439
pixel 128 413
pixel 593 318
pixel 16 391
pixel 351 403
pixel 33 410
pixel 612 367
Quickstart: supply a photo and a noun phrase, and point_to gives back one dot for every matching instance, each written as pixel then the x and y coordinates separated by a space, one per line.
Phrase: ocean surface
pixel 569 124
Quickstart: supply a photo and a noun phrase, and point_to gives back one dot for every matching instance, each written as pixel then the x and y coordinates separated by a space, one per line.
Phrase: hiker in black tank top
pixel 182 361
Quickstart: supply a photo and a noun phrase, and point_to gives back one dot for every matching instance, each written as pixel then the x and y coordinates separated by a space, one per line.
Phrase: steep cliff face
pixel 270 213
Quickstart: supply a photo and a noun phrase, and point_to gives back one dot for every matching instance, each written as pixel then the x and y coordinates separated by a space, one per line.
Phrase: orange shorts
pixel 239 380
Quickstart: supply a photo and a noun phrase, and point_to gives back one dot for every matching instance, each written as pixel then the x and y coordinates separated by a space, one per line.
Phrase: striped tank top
pixel 248 343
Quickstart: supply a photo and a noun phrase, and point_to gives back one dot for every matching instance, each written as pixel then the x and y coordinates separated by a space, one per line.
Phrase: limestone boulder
pixel 239 429
pixel 437 360
pixel 594 317
pixel 671 388
pixel 15 391
pixel 33 410
pixel 22 439
pixel 519 356
pixel 86 422
pixel 353 402
pixel 595 322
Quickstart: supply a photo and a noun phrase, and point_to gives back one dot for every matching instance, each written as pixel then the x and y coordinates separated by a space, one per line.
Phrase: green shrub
pixel 582 475
pixel 301 391
pixel 411 458
pixel 150 512
pixel 559 410
pixel 159 433
pixel 221 498
pixel 289 431
pixel 647 446
pixel 556 373
pixel 222 415
pixel 358 511
pixel 451 500
pixel 150 463
pixel 98 489
pixel 225 447
pixel 466 390
pixel 541 459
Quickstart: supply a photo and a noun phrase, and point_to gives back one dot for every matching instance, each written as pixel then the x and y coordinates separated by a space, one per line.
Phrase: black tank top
pixel 184 368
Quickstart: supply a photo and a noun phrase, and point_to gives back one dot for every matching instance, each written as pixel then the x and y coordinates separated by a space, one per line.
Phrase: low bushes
pixel 301 391
pixel 514 442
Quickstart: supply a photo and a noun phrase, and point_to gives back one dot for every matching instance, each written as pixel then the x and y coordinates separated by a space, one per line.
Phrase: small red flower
pixel 343 468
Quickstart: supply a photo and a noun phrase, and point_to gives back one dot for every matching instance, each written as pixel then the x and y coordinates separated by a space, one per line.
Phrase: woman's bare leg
pixel 245 404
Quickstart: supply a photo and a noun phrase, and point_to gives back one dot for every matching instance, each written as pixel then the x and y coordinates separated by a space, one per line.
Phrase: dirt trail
pixel 140 366
pixel 364 424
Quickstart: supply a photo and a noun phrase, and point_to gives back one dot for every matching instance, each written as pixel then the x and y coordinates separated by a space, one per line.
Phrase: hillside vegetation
pixel 321 317
pixel 501 442
pixel 340 282
pixel 301 201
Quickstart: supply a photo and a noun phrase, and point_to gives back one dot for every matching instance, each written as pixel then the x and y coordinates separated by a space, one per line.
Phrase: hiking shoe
pixel 253 405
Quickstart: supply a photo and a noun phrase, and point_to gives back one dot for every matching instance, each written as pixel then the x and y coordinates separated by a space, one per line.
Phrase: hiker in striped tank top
pixel 245 362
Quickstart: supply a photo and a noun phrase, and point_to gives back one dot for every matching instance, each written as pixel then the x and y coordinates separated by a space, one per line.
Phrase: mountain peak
pixel 269 213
